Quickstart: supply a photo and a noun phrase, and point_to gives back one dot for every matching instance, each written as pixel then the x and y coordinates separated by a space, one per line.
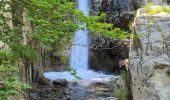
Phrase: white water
pixel 79 56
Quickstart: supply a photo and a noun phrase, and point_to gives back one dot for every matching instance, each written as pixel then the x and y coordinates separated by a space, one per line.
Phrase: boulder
pixel 149 57
pixel 60 82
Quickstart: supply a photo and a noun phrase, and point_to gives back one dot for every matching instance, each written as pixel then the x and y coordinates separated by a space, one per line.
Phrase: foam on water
pixel 88 75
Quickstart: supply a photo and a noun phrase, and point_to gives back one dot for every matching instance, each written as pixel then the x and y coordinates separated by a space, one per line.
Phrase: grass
pixel 123 75
pixel 121 93
pixel 153 9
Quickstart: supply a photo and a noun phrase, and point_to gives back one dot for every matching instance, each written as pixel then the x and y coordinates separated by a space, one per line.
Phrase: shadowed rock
pixel 60 82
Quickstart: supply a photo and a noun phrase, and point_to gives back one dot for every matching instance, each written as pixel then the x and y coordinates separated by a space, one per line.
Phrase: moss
pixel 158 28
pixel 153 9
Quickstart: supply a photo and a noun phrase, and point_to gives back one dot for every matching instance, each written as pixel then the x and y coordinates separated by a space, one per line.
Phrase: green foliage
pixel 25 52
pixel 158 28
pixel 7 69
pixel 148 7
pixel 97 27
pixel 121 93
pixel 53 21
pixel 153 9
pixel 124 74
pixel 73 72
pixel 9 84
pixel 5 56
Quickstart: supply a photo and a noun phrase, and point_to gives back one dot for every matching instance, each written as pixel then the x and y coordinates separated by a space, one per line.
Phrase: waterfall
pixel 79 51
pixel 79 56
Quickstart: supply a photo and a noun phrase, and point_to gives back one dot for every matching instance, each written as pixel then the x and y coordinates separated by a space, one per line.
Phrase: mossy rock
pixel 160 66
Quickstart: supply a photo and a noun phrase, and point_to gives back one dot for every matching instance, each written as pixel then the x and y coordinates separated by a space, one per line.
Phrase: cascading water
pixel 79 55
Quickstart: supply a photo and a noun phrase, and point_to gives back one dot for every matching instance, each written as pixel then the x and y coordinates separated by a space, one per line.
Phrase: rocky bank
pixel 61 89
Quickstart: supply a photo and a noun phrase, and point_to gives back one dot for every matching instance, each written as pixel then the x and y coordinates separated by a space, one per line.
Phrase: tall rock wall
pixel 150 57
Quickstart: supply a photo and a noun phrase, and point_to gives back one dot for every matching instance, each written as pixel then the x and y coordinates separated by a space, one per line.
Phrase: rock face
pixel 149 57
pixel 118 12
pixel 135 4
pixel 156 2
pixel 105 56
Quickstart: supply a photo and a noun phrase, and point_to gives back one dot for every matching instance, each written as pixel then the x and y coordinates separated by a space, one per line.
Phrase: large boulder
pixel 149 57
pixel 60 82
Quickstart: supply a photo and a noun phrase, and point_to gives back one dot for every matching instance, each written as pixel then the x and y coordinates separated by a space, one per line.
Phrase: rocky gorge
pixel 145 53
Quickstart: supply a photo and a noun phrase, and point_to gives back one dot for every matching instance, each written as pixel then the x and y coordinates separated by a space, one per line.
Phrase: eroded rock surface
pixel 149 57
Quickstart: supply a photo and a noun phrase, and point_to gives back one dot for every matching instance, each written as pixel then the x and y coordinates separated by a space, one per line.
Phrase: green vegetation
pixel 121 91
pixel 9 83
pixel 124 75
pixel 73 72
pixel 52 23
pixel 153 9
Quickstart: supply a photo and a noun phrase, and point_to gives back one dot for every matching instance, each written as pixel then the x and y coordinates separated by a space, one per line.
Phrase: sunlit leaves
pixel 9 86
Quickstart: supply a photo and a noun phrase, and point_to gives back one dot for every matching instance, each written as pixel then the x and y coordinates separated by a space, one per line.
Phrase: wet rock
pixel 44 81
pixel 92 90
pixel 111 98
pixel 60 82
pixel 47 92
pixel 79 91
pixel 97 84
pixel 34 95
